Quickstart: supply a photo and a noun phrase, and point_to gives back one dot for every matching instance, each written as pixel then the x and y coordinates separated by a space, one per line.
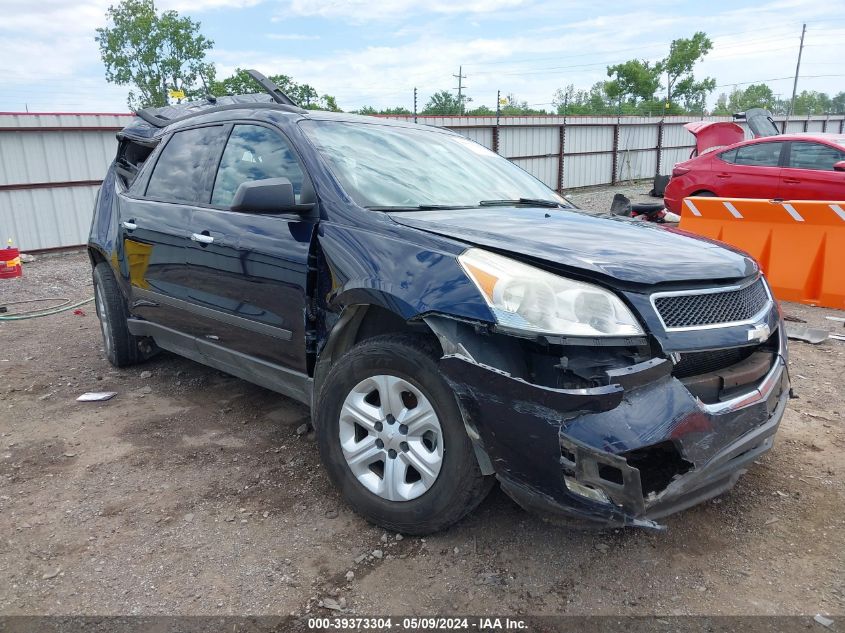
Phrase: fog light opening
pixel 586 491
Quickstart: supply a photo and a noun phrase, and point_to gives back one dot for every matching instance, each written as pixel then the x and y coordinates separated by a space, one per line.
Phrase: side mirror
pixel 840 166
pixel 270 195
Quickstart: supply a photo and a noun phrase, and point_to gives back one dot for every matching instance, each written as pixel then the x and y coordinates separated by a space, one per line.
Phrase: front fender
pixel 408 277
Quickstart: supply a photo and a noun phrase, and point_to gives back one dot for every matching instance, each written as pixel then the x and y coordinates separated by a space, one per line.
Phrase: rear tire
pixel 120 346
pixel 371 455
pixel 704 194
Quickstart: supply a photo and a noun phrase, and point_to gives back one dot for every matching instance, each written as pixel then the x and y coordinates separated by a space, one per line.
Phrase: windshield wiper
pixel 531 202
pixel 420 207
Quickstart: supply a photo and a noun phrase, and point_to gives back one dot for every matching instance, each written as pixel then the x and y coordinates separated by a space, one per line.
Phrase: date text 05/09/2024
pixel 419 624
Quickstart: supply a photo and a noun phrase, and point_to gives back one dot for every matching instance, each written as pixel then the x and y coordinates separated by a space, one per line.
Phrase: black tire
pixel 120 346
pixel 459 486
pixel 704 194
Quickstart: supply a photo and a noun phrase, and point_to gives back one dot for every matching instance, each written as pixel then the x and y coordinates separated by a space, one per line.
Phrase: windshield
pixel 400 167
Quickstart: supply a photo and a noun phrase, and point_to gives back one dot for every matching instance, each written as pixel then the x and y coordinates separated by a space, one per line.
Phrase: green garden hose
pixel 32 314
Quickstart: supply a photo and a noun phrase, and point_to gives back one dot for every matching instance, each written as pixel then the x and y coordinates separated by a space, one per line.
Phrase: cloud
pixel 297 37
pixel 360 11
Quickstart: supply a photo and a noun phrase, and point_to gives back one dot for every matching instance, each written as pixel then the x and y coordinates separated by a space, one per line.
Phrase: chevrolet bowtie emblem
pixel 759 333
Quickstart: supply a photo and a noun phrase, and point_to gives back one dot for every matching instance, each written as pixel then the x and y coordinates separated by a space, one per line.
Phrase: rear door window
pixel 814 156
pixel 759 155
pixel 181 173
pixel 254 152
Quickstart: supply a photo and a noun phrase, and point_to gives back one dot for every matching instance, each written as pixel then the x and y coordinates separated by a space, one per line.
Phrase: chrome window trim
pixel 688 328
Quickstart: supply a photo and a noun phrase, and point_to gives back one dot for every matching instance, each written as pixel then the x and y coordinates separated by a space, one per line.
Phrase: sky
pixel 371 52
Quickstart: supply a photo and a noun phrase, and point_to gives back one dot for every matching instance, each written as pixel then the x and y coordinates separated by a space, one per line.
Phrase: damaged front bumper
pixel 627 453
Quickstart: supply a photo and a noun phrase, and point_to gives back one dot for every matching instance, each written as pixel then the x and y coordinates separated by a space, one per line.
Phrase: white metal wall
pixel 52 164
pixel 533 143
pixel 50 168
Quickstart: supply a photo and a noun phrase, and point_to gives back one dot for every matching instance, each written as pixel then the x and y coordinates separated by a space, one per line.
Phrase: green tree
pixel 837 104
pixel 593 101
pixel 370 110
pixel 684 54
pixel 514 107
pixel 634 81
pixel 443 102
pixel 153 52
pixel 481 110
pixel 812 102
pixel 742 99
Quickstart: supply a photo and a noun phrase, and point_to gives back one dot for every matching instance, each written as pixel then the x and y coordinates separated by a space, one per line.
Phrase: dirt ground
pixel 192 492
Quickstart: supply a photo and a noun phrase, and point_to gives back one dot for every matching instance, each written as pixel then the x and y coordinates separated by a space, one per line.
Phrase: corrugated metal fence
pixel 50 168
pixel 52 164
pixel 571 152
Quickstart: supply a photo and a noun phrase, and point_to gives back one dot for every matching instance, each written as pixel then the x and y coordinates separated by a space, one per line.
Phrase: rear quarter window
pixel 181 173
pixel 729 156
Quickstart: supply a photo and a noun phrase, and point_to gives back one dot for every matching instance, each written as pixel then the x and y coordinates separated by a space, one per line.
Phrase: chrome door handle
pixel 202 239
pixel 130 226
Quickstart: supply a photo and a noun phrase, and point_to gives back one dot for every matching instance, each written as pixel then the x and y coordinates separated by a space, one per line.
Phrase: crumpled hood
pixel 627 250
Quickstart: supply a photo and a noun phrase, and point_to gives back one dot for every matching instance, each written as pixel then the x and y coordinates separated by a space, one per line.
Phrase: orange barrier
pixel 800 244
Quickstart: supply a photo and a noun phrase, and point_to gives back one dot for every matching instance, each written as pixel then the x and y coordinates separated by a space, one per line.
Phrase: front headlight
pixel 527 298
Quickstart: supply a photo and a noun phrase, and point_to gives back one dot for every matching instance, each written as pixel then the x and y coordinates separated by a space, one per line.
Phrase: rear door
pixel 749 171
pixel 808 173
pixel 154 219
pixel 248 271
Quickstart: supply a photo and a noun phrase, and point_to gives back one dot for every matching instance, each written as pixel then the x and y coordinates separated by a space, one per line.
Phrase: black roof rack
pixel 164 116
pixel 270 88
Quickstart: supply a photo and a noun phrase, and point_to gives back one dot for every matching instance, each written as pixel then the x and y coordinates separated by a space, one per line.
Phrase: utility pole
pixel 415 105
pixel 498 106
pixel 797 68
pixel 460 77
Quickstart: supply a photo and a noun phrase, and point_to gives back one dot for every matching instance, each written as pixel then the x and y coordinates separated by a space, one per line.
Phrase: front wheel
pixel 393 440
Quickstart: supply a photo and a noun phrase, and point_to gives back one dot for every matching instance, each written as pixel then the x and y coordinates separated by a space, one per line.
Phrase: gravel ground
pixel 598 199
pixel 192 492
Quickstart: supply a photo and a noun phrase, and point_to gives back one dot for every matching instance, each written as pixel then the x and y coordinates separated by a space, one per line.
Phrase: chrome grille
pixel 711 307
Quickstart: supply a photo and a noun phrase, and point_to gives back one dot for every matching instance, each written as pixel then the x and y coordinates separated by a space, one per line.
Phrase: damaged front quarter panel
pixel 622 453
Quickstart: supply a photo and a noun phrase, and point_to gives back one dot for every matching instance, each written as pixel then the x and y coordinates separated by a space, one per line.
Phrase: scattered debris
pixel 331 514
pixel 806 334
pixel 377 553
pixel 602 547
pixel 302 429
pixel 825 622
pixel 96 396
pixel 146 389
pixel 350 576
pixel 189 517
pixel 331 603
pixel 146 374
pixel 794 319
pixel 52 574
pixel 772 520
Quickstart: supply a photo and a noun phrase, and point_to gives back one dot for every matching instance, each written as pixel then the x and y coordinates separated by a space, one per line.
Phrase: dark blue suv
pixel 450 320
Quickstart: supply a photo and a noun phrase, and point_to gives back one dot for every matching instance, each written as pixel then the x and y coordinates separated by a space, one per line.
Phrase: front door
pixel 248 271
pixel 809 174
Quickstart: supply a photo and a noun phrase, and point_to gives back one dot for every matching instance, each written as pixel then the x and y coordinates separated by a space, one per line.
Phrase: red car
pixel 790 166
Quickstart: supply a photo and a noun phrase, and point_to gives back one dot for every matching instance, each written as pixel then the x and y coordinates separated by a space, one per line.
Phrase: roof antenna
pixel 270 88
